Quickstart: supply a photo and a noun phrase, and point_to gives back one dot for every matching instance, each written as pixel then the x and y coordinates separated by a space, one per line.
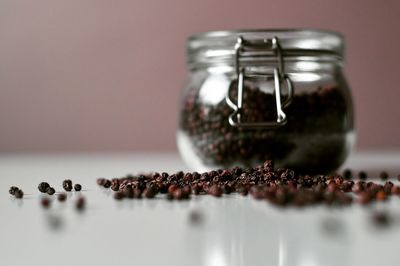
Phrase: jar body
pixel 317 137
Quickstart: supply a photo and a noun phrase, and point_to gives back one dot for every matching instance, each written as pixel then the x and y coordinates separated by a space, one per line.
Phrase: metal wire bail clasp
pixel 279 77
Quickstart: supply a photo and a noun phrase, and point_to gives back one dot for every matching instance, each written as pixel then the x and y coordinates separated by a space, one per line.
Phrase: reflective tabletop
pixel 232 230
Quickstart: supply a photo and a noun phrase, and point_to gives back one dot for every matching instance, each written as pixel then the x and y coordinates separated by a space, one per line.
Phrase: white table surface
pixel 234 230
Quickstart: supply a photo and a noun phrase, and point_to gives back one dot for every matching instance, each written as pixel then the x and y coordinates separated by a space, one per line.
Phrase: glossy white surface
pixel 234 230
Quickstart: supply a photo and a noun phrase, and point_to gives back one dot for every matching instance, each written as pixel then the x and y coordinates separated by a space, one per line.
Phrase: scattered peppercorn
pixel 384 175
pixel 280 187
pixel 77 187
pixel 362 175
pixel 107 183
pixel 67 185
pixel 43 186
pixel 12 190
pixel 50 191
pixel 149 193
pixel 19 194
pixel 215 190
pixel 115 186
pixel 137 193
pixel 119 195
pixel 128 192
pixel 347 174
pixel 100 181
pixel 395 190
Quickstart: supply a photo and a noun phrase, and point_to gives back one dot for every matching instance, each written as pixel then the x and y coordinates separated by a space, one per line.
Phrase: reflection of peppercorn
pixel 313 138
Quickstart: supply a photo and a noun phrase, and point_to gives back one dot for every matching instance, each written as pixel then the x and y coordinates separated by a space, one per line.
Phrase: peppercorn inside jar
pixel 258 95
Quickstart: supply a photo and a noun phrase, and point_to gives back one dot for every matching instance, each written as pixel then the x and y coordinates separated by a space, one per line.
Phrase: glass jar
pixel 257 95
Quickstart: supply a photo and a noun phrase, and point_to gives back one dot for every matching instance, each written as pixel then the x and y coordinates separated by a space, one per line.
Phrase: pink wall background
pixel 94 75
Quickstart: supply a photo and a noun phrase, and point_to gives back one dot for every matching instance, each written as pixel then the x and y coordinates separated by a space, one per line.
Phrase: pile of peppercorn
pixel 282 187
pixel 320 114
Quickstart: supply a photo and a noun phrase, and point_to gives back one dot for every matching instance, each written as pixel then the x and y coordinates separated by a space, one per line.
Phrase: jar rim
pixel 224 33
pixel 213 46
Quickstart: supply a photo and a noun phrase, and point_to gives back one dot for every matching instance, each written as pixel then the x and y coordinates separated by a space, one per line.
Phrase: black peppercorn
pixel 347 174
pixel 50 191
pixel 19 194
pixel 12 190
pixel 149 193
pixel 177 194
pixel 362 175
pixel 43 186
pixel 107 183
pixel 100 181
pixel 384 175
pixel 128 192
pixel 115 186
pixel 77 187
pixel 137 193
pixel 119 195
pixel 215 191
pixel 67 185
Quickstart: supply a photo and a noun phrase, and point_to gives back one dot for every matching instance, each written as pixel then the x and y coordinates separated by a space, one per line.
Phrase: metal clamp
pixel 278 75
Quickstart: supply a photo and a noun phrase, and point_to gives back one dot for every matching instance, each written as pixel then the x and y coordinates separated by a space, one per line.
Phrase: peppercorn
pixel 362 175
pixel 78 187
pixel 19 194
pixel 12 190
pixel 100 181
pixel 384 175
pixel 119 195
pixel 115 186
pixel 358 187
pixel 50 191
pixel 364 198
pixel 128 192
pixel 43 186
pixel 172 188
pixel 177 194
pixel 215 191
pixel 347 174
pixel 107 183
pixel 149 193
pixel 395 190
pixel 137 193
pixel 67 185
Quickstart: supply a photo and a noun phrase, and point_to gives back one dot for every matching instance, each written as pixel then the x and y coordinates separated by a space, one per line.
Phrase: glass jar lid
pixel 219 46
